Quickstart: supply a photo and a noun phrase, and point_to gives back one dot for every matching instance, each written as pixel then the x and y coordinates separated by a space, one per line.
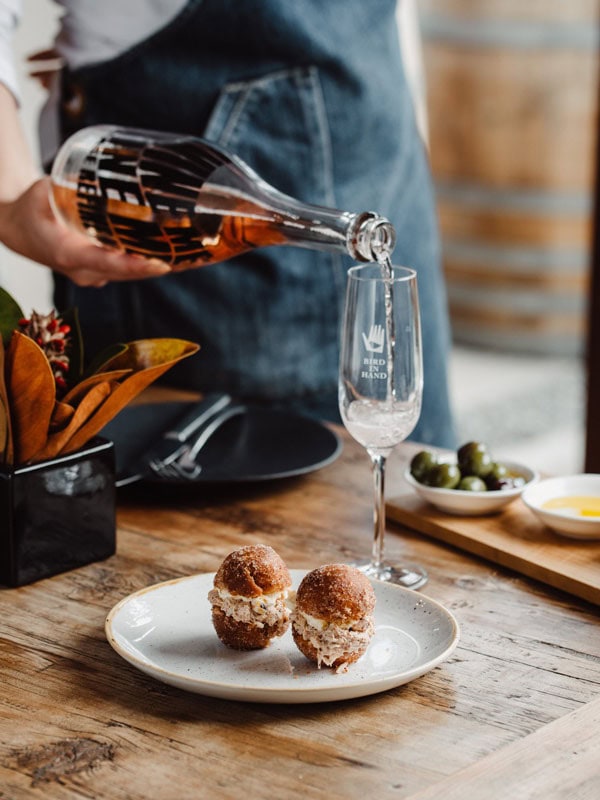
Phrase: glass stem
pixel 378 510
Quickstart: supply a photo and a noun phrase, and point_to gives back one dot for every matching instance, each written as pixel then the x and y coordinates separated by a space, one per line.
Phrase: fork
pixel 182 463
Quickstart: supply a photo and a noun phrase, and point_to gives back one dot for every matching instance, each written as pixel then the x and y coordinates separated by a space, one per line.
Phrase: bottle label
pixel 141 197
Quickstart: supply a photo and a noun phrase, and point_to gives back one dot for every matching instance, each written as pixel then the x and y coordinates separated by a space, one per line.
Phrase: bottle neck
pixel 373 238
pixel 365 236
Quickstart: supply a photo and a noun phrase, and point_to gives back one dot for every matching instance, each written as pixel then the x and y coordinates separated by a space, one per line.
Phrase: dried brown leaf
pixel 6 446
pixel 4 433
pixel 61 416
pixel 149 358
pixel 145 353
pixel 93 400
pixel 74 395
pixel 31 391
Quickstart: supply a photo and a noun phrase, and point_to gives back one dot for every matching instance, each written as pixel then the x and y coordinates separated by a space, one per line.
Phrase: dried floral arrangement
pixel 51 403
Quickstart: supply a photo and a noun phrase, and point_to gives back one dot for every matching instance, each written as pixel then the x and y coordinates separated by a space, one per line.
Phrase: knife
pixel 171 440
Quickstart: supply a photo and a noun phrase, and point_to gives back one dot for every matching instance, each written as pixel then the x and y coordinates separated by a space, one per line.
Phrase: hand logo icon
pixel 375 340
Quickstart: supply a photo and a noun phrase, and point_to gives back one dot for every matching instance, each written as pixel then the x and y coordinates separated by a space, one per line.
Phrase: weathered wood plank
pixel 560 760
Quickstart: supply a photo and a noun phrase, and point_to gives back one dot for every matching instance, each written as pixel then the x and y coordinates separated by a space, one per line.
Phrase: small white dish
pixel 566 521
pixel 166 631
pixel 473 504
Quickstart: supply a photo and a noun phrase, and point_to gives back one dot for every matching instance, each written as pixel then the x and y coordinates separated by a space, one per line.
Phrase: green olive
pixel 474 459
pixel 498 470
pixel 471 483
pixel 422 464
pixel 444 476
pixel 496 475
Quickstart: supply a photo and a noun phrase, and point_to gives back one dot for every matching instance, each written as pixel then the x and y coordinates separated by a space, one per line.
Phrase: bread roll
pixel 332 622
pixel 248 598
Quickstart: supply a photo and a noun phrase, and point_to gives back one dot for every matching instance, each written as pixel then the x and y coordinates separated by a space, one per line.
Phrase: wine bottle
pixel 186 201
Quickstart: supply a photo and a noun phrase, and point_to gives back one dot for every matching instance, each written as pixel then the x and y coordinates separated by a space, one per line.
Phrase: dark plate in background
pixel 260 444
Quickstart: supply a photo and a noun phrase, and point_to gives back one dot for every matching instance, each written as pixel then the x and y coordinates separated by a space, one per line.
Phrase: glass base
pixel 409 576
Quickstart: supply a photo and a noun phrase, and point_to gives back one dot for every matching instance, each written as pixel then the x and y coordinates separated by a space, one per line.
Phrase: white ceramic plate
pixel 564 522
pixel 166 631
pixel 473 504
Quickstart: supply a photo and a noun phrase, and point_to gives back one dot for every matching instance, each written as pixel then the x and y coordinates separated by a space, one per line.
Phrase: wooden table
pixel 514 712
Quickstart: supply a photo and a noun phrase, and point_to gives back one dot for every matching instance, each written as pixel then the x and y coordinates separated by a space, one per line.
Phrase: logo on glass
pixel 374 368
pixel 374 341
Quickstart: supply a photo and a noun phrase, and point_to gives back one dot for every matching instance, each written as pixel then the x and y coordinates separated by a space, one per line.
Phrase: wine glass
pixel 381 384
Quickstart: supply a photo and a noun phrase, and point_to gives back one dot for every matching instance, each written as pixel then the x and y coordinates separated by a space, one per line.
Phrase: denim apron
pixel 311 94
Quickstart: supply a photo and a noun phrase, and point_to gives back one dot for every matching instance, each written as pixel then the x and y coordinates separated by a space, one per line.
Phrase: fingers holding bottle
pixel 29 227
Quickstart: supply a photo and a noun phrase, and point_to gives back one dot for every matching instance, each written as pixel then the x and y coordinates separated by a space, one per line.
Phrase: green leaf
pixel 10 314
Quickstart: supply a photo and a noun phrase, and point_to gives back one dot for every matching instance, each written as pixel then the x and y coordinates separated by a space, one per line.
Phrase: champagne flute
pixel 381 384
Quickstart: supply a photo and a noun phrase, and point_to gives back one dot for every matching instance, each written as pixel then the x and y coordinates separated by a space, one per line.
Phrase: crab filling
pixel 333 640
pixel 264 609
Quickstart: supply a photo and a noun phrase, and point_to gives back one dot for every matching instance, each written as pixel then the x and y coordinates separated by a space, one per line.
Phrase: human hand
pixel 29 227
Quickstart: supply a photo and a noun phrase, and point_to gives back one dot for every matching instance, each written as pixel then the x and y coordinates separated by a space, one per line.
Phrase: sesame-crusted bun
pixel 332 622
pixel 248 598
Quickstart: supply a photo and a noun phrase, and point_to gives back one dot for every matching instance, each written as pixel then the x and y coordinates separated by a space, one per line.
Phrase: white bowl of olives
pixel 470 482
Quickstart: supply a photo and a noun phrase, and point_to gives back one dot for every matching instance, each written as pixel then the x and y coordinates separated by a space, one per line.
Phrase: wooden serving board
pixel 513 538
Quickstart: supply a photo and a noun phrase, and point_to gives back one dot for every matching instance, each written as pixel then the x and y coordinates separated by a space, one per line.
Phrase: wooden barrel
pixel 512 99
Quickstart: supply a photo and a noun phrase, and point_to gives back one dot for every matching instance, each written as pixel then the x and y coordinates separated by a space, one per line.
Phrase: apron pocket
pixel 277 124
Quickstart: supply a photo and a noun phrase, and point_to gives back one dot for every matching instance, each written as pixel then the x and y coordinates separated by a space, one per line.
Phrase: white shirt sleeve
pixel 98 30
pixel 10 14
